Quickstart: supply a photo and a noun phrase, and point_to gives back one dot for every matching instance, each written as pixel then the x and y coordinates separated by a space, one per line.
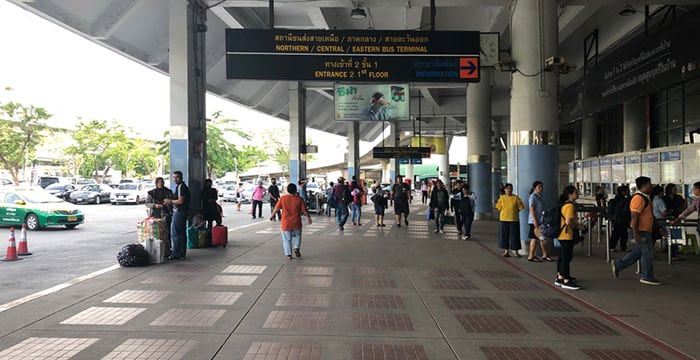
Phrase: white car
pixel 129 193
pixel 229 194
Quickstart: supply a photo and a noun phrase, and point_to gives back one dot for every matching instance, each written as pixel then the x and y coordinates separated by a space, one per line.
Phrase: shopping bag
pixel 431 215
pixel 449 220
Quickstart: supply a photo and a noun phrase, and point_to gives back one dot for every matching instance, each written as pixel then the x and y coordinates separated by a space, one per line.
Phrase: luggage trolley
pixel 314 203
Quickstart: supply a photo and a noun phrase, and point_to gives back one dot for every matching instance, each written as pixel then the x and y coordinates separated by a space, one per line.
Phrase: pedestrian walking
pixel 466 209
pixel 641 225
pixel 400 193
pixel 330 200
pixel 567 238
pixel 439 203
pixel 509 205
pixel 455 200
pixel 274 193
pixel 380 204
pixel 424 191
pixel 239 196
pixel 356 205
pixel 536 206
pixel 257 197
pixel 341 195
pixel 181 208
pixel 620 216
pixel 292 207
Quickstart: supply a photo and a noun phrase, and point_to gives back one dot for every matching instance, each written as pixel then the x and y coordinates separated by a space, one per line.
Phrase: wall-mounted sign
pixel 400 152
pixel 352 55
pixel 632 159
pixel 618 160
pixel 638 68
pixel 436 144
pixel 671 155
pixel 650 158
pixel 368 102
pixel 605 161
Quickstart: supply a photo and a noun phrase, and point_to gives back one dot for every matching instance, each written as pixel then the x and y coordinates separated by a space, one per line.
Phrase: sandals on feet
pixel 297 253
pixel 547 258
pixel 288 257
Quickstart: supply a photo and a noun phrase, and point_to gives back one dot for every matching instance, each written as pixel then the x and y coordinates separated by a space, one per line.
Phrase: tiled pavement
pixel 369 293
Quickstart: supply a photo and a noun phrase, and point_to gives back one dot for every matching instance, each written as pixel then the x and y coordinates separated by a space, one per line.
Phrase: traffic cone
pixel 22 249
pixel 11 248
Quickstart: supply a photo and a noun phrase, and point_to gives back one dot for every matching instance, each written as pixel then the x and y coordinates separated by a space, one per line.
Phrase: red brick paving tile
pixel 449 273
pixel 517 285
pixel 470 303
pixel 373 283
pixel 303 300
pixel 377 301
pixel 577 326
pixel 151 349
pixel 382 322
pixel 601 354
pixel 369 271
pixel 514 353
pixel 498 324
pixel 497 274
pixel 283 350
pixel 454 285
pixel 388 352
pixel 315 270
pixel 548 305
pixel 310 282
pixel 302 320
pixel 36 348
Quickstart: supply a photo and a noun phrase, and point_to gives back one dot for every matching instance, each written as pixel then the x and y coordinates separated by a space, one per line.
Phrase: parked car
pixel 91 194
pixel 37 209
pixel 61 191
pixel 80 182
pixel 229 194
pixel 129 193
pixel 247 194
pixel 6 184
pixel 45 181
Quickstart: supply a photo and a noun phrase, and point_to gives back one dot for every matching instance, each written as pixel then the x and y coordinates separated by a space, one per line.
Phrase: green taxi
pixel 38 209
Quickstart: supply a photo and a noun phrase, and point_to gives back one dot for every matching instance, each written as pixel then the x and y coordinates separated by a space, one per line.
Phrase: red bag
pixel 219 235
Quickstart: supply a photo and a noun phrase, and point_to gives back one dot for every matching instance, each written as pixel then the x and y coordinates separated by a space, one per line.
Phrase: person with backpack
pixel 569 227
pixel 380 204
pixel 619 215
pixel 641 225
pixel 356 204
pixel 536 206
pixel 400 193
pixel 509 206
pixel 341 194
pixel 455 200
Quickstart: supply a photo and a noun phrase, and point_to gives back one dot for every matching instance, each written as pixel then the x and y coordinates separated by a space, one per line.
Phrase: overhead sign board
pixel 400 152
pixel 371 102
pixel 353 55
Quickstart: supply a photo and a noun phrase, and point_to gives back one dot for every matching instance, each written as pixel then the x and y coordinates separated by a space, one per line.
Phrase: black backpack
pixel 551 222
pixel 345 195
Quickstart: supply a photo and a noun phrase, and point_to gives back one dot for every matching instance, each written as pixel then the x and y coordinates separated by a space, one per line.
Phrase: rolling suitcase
pixel 219 235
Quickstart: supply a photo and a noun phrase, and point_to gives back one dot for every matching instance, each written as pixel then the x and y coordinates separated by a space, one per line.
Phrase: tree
pixel 100 145
pixel 277 144
pixel 22 128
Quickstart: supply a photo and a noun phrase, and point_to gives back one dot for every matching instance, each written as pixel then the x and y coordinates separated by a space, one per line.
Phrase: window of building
pixel 674 113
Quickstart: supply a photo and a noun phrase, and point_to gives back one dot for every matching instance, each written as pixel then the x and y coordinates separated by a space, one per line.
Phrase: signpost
pixel 353 55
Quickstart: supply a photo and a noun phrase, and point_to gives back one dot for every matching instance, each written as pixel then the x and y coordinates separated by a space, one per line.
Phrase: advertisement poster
pixel 365 102
pixel 437 145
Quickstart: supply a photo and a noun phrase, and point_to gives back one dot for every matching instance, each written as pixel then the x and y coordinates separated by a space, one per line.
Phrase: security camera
pixel 554 61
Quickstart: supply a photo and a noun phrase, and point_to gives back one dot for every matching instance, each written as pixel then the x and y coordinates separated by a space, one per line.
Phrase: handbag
pixel 431 215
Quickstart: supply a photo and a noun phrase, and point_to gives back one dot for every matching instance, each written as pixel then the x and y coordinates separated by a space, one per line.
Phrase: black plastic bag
pixel 133 255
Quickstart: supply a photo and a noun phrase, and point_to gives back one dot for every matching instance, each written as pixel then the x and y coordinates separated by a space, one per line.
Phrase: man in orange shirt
pixel 292 206
pixel 640 228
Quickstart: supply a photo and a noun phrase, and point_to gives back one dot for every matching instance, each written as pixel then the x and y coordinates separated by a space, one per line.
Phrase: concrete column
pixel 410 174
pixel 495 167
pixel 479 143
pixel 188 130
pixel 533 149
pixel 589 138
pixel 444 162
pixel 386 171
pixel 297 132
pixel 634 125
pixel 353 150
pixel 393 163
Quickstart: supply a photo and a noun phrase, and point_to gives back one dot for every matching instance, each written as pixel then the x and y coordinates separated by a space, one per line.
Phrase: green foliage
pixel 22 128
pixel 222 154
pixel 277 144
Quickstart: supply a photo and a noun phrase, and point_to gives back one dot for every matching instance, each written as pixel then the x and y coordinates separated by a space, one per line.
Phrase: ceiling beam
pixel 113 17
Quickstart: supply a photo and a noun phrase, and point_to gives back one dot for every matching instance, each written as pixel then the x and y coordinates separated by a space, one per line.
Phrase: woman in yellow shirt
pixel 566 238
pixel 509 206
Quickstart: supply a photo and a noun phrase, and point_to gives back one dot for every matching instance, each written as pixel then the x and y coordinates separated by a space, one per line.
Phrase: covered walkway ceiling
pixel 138 29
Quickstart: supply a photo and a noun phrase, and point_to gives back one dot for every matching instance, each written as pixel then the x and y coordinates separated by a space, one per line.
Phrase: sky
pixel 72 78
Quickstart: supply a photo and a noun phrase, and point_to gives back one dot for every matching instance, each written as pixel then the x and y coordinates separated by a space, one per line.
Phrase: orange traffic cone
pixel 22 249
pixel 11 248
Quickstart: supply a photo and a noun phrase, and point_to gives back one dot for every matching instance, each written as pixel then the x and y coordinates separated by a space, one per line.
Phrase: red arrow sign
pixel 469 68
